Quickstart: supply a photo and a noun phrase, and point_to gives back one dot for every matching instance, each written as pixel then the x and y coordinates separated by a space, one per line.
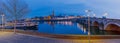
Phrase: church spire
pixel 53 13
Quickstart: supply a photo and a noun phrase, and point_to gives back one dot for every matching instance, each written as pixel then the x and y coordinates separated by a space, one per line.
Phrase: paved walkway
pixel 9 37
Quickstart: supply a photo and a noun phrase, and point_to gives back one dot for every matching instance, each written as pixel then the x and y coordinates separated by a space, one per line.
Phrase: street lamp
pixel 103 18
pixel 94 15
pixel 88 14
pixel 105 15
pixel 2 21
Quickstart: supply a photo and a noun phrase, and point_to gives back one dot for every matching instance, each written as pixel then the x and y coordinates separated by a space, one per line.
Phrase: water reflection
pixel 71 28
pixel 59 22
pixel 81 27
pixel 61 27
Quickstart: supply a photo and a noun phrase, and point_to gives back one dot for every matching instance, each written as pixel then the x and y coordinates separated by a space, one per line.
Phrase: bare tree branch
pixel 16 9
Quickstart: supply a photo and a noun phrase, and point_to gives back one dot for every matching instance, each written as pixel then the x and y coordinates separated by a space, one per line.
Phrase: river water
pixel 70 28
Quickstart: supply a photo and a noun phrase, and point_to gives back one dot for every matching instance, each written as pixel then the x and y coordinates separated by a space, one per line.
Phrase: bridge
pixel 102 23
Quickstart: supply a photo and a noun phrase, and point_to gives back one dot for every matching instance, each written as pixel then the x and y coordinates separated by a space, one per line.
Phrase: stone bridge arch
pixel 95 24
pixel 98 24
pixel 112 26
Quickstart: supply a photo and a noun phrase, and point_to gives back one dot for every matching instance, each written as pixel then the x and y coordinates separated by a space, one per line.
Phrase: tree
pixel 1 7
pixel 16 9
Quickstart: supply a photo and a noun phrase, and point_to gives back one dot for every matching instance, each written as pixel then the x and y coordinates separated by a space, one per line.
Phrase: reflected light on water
pixel 84 31
pixel 61 22
pixel 68 27
pixel 65 22
pixel 81 27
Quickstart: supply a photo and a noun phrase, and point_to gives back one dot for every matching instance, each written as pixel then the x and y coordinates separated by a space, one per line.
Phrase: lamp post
pixel 88 14
pixel 2 21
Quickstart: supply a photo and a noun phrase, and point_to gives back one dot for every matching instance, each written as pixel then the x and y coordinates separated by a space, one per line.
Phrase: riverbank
pixel 10 37
pixel 80 37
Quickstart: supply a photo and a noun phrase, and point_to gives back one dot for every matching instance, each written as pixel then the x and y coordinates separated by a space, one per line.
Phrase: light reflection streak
pixel 81 27
pixel 60 22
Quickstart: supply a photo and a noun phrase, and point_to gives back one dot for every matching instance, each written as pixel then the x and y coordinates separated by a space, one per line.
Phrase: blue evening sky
pixel 74 7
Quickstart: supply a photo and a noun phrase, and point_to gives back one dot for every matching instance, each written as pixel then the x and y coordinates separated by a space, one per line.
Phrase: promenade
pixel 10 37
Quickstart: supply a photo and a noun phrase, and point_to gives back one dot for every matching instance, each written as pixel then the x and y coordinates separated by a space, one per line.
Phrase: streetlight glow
pixel 87 11
pixel 105 14
pixel 94 15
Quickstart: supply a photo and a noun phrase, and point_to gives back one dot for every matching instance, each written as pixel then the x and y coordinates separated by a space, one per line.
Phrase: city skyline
pixel 74 7
pixel 59 21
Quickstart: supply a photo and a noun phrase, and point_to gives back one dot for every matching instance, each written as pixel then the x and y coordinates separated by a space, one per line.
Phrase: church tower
pixel 53 13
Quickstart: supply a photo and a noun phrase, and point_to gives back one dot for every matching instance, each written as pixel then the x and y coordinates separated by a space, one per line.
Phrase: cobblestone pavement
pixel 9 37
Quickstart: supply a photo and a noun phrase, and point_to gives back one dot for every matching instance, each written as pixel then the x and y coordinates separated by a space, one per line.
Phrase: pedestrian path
pixel 10 37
